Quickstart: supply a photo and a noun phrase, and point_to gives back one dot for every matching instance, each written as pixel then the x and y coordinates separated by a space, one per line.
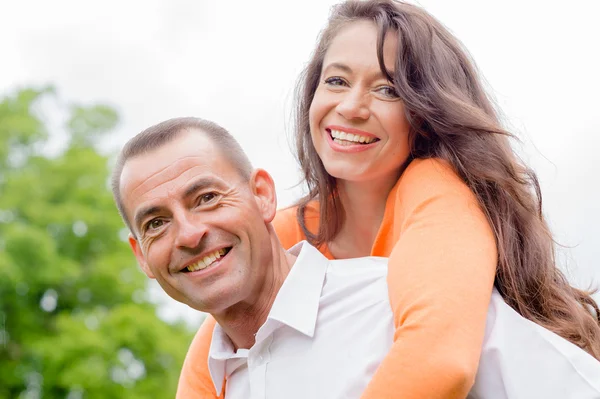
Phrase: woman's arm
pixel 441 272
pixel 195 380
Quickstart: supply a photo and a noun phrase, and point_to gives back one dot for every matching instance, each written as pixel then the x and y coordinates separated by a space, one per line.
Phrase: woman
pixel 403 151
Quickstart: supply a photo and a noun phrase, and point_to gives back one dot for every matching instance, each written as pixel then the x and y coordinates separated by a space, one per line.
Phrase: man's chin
pixel 213 306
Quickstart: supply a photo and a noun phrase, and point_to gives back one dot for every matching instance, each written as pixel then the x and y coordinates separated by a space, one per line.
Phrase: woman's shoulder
pixel 287 227
pixel 286 215
pixel 289 214
pixel 430 171
pixel 430 179
pixel 430 176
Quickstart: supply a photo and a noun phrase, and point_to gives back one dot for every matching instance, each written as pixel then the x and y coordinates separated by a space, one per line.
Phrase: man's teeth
pixel 339 137
pixel 206 261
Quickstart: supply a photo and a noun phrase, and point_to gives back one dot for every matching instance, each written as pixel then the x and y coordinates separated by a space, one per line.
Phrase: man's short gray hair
pixel 165 132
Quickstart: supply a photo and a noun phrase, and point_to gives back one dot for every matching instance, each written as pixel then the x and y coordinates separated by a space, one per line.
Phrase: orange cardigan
pixel 442 262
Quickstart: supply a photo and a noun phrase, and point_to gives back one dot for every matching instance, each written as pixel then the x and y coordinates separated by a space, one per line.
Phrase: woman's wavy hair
pixel 452 118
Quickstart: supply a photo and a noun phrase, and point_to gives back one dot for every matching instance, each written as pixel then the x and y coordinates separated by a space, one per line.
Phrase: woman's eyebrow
pixel 338 65
pixel 347 69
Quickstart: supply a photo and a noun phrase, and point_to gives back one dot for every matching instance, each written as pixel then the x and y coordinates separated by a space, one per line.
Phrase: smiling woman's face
pixel 357 121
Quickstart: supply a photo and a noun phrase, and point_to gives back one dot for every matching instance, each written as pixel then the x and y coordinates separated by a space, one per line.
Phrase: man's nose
pixel 190 233
pixel 354 105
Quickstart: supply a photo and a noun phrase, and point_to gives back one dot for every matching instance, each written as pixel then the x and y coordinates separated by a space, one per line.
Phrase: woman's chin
pixel 346 172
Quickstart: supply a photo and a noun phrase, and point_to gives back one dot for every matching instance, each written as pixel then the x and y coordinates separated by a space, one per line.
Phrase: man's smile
pixel 206 260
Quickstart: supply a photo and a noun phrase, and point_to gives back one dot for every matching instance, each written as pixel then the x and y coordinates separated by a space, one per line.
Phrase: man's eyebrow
pixel 201 184
pixel 145 212
pixel 198 185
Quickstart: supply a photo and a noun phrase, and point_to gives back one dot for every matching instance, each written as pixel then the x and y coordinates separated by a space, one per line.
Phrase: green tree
pixel 74 318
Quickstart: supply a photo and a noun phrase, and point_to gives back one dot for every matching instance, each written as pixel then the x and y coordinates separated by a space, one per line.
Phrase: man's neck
pixel 242 321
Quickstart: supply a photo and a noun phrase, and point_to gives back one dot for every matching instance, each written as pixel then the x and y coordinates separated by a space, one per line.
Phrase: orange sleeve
pixel 195 381
pixel 287 228
pixel 441 272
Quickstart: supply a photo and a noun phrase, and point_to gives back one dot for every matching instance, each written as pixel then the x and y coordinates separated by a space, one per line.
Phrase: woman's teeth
pixel 344 138
pixel 206 261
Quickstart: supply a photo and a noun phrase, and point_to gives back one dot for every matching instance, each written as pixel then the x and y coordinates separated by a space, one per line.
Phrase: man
pixel 200 223
pixel 200 219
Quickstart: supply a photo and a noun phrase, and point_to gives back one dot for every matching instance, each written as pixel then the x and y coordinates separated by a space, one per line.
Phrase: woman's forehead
pixel 356 43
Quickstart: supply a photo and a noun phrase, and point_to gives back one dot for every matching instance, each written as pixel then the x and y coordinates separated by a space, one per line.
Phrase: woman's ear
pixel 263 189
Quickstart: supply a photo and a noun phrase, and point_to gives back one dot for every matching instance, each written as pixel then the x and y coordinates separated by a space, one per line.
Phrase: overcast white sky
pixel 236 62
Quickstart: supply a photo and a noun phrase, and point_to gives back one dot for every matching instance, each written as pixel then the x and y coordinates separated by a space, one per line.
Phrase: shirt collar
pixel 223 360
pixel 297 302
pixel 296 305
pixel 220 350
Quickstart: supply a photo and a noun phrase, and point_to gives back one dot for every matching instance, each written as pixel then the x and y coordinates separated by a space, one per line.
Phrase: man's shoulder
pixel 363 279
pixel 365 276
pixel 375 265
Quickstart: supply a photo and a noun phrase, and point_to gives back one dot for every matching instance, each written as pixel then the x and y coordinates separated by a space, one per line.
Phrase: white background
pixel 236 62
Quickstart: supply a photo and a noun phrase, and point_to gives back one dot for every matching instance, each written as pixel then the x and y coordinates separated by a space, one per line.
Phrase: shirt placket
pixel 257 367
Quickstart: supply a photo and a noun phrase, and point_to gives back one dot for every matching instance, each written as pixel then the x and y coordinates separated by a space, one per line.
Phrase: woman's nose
pixel 354 105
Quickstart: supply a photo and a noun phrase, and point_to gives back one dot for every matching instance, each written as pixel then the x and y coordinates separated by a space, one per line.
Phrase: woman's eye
pixel 335 81
pixel 388 91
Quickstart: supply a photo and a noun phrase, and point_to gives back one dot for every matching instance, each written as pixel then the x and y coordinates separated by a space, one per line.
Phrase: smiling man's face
pixel 200 227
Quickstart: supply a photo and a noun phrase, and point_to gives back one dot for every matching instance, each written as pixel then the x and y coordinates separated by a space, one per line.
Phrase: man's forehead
pixel 185 157
pixel 136 180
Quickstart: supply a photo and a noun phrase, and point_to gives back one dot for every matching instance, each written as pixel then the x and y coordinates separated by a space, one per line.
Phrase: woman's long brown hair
pixel 452 118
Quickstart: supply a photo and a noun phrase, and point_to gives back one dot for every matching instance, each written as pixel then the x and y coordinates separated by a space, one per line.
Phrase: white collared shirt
pixel 523 360
pixel 331 325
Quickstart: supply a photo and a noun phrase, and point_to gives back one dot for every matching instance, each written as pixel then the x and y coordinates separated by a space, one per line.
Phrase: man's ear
pixel 263 189
pixel 137 251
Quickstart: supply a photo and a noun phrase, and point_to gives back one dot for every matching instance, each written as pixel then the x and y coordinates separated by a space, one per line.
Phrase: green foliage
pixel 73 318
pixel 19 131
pixel 87 124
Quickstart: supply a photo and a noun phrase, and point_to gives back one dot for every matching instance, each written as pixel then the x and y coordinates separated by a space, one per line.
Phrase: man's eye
pixel 155 224
pixel 206 198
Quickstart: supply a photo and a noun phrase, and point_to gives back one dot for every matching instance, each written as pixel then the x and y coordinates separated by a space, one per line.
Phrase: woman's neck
pixel 364 208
